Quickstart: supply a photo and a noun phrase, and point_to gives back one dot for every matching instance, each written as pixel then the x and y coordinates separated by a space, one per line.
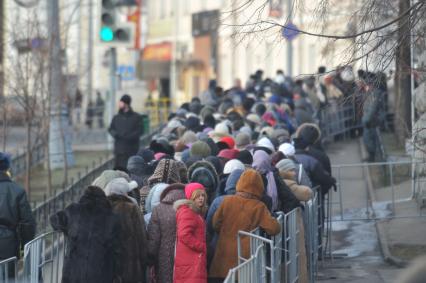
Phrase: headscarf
pixel 167 171
pixel 262 163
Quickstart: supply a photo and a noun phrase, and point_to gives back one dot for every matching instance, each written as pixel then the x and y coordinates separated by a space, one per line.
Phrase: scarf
pixel 262 163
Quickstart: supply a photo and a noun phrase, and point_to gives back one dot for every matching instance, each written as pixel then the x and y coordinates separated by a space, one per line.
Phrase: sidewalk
pixel 402 238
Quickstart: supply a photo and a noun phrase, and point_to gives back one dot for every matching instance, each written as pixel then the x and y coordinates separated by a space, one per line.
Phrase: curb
pixel 383 241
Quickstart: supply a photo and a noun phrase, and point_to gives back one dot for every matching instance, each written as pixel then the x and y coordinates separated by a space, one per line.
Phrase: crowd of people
pixel 224 162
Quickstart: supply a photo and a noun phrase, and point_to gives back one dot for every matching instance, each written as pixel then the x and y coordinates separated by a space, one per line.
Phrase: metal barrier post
pixel 6 267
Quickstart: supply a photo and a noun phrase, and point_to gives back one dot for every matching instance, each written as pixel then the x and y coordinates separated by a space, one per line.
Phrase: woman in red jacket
pixel 190 255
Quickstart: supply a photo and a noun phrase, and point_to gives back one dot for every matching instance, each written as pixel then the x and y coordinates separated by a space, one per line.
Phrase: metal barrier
pixel 338 119
pixel 391 184
pixel 44 258
pixel 251 271
pixel 282 251
pixel 8 270
pixel 311 235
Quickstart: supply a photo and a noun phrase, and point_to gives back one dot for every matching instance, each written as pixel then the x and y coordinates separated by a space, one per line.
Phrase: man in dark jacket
pixel 17 224
pixel 126 128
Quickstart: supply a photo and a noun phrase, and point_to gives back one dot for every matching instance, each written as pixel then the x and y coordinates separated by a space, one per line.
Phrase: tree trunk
pixel 403 77
pixel 28 161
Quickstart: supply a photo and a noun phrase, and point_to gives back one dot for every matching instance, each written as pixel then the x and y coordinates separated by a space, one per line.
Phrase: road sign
pixel 290 31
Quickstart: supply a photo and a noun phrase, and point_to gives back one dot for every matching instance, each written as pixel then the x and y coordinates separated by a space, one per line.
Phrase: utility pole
pixel 59 139
pixel 289 42
pixel 90 53
pixel 234 40
pixel 113 89
pixel 173 66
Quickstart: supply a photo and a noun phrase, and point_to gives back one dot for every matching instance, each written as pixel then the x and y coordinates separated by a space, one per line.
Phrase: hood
pixel 153 198
pixel 94 198
pixel 167 171
pixel 309 132
pixel 202 171
pixel 251 182
pixel 179 203
pixel 173 193
pixel 231 182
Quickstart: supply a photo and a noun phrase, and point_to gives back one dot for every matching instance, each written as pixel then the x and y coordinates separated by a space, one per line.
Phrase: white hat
pixel 254 119
pixel 120 186
pixel 265 142
pixel 288 149
pixel 233 165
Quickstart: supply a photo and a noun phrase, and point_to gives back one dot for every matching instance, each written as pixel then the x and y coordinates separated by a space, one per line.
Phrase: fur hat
pixel 251 182
pixel 245 157
pixel 281 135
pixel 200 148
pixel 120 186
pixel 285 165
pixel 309 132
pixel 107 176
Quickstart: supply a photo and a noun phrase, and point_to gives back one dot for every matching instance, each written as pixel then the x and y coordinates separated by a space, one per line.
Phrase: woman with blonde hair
pixel 191 249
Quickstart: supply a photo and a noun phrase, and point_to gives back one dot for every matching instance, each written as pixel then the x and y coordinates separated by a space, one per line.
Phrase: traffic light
pixel 113 29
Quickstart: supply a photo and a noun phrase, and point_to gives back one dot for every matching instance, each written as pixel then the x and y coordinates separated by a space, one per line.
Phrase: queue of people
pixel 171 211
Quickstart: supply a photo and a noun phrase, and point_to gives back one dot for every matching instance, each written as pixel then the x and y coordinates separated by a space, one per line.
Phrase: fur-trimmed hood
pixel 189 203
pixel 173 193
pixel 196 175
pixel 310 133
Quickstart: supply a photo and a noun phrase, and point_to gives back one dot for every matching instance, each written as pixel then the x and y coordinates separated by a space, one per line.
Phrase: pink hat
pixel 192 187
pixel 159 155
pixel 229 153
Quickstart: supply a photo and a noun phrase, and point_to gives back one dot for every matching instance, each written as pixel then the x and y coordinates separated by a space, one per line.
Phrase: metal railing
pixel 8 270
pixel 19 164
pixel 73 192
pixel 339 119
pixel 44 258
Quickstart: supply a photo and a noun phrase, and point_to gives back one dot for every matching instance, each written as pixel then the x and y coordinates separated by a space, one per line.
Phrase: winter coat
pixel 245 212
pixel 301 192
pixel 126 128
pixel 316 172
pixel 132 241
pixel 162 233
pixel 191 248
pixel 92 231
pixel 17 224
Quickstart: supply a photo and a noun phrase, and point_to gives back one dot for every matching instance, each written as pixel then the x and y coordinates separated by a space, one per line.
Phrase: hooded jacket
pixel 203 172
pixel 132 241
pixel 92 232
pixel 191 249
pixel 162 233
pixel 245 212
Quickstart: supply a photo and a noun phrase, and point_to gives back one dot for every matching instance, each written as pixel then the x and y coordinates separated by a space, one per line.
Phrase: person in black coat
pixel 92 232
pixel 17 224
pixel 126 128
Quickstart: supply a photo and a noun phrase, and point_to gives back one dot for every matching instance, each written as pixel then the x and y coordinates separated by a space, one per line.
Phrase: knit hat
pixel 107 176
pixel 126 99
pixel 245 157
pixel 193 124
pixel 191 188
pixel 188 137
pixel 232 165
pixel 251 182
pixel 159 155
pixel 166 172
pixel 162 145
pixel 288 149
pixel 242 140
pixel 120 186
pixel 4 161
pixel 265 142
pixel 228 153
pixel 200 148
pixel 229 141
pixel 214 150
pixel 147 154
pixel 246 130
pixel 285 165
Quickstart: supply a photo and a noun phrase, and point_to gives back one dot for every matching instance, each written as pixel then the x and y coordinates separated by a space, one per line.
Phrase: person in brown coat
pixel 162 233
pixel 243 211
pixel 132 237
